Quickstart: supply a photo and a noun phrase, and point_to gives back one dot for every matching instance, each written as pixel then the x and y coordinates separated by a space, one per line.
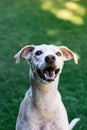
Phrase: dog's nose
pixel 50 59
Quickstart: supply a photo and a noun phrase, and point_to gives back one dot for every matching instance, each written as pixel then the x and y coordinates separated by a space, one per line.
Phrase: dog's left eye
pixel 58 53
pixel 37 53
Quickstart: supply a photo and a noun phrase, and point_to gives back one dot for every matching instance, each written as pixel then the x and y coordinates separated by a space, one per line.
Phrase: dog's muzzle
pixel 48 73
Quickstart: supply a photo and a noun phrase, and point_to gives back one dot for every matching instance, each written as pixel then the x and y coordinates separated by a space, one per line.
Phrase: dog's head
pixel 46 61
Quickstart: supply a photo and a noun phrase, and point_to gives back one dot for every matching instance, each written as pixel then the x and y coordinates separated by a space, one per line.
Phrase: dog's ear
pixel 24 52
pixel 68 54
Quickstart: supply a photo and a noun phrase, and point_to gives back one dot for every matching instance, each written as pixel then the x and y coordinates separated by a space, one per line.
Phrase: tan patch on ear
pixel 68 54
pixel 25 51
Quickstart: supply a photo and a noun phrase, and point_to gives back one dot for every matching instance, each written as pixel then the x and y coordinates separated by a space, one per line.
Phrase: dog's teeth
pixel 49 75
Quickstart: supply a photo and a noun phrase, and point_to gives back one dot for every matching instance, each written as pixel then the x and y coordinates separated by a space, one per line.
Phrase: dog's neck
pixel 43 91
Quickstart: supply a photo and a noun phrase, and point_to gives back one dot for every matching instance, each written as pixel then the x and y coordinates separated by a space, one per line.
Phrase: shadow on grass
pixel 58 22
pixel 43 21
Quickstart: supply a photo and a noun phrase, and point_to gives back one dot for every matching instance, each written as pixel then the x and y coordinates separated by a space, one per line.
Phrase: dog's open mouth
pixel 48 73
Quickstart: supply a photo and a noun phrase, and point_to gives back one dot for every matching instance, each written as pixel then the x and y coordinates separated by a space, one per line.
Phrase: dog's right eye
pixel 37 53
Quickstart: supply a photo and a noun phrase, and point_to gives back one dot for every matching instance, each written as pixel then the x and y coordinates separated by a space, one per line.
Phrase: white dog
pixel 42 107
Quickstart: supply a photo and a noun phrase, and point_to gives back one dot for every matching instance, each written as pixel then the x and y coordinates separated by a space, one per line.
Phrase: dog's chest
pixel 49 126
pixel 54 121
pixel 48 115
pixel 46 125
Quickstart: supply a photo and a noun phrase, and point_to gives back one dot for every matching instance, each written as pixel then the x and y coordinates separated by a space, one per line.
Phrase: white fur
pixel 42 107
pixel 73 123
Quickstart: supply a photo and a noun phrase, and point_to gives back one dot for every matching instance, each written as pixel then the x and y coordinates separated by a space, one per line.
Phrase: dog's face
pixel 46 61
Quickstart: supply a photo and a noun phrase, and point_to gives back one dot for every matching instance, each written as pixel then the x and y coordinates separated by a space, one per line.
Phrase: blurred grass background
pixel 58 22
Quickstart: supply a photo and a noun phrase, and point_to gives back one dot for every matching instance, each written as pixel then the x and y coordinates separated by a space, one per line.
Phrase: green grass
pixel 25 22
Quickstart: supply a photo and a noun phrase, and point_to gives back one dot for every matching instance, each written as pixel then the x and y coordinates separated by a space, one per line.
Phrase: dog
pixel 42 107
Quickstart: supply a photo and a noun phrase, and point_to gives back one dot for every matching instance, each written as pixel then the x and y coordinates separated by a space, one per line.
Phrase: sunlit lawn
pixel 55 22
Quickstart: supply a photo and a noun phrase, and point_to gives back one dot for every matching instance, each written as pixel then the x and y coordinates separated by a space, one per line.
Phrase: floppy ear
pixel 68 54
pixel 24 52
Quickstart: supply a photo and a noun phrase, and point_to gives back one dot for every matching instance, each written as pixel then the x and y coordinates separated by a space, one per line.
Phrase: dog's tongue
pixel 49 74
